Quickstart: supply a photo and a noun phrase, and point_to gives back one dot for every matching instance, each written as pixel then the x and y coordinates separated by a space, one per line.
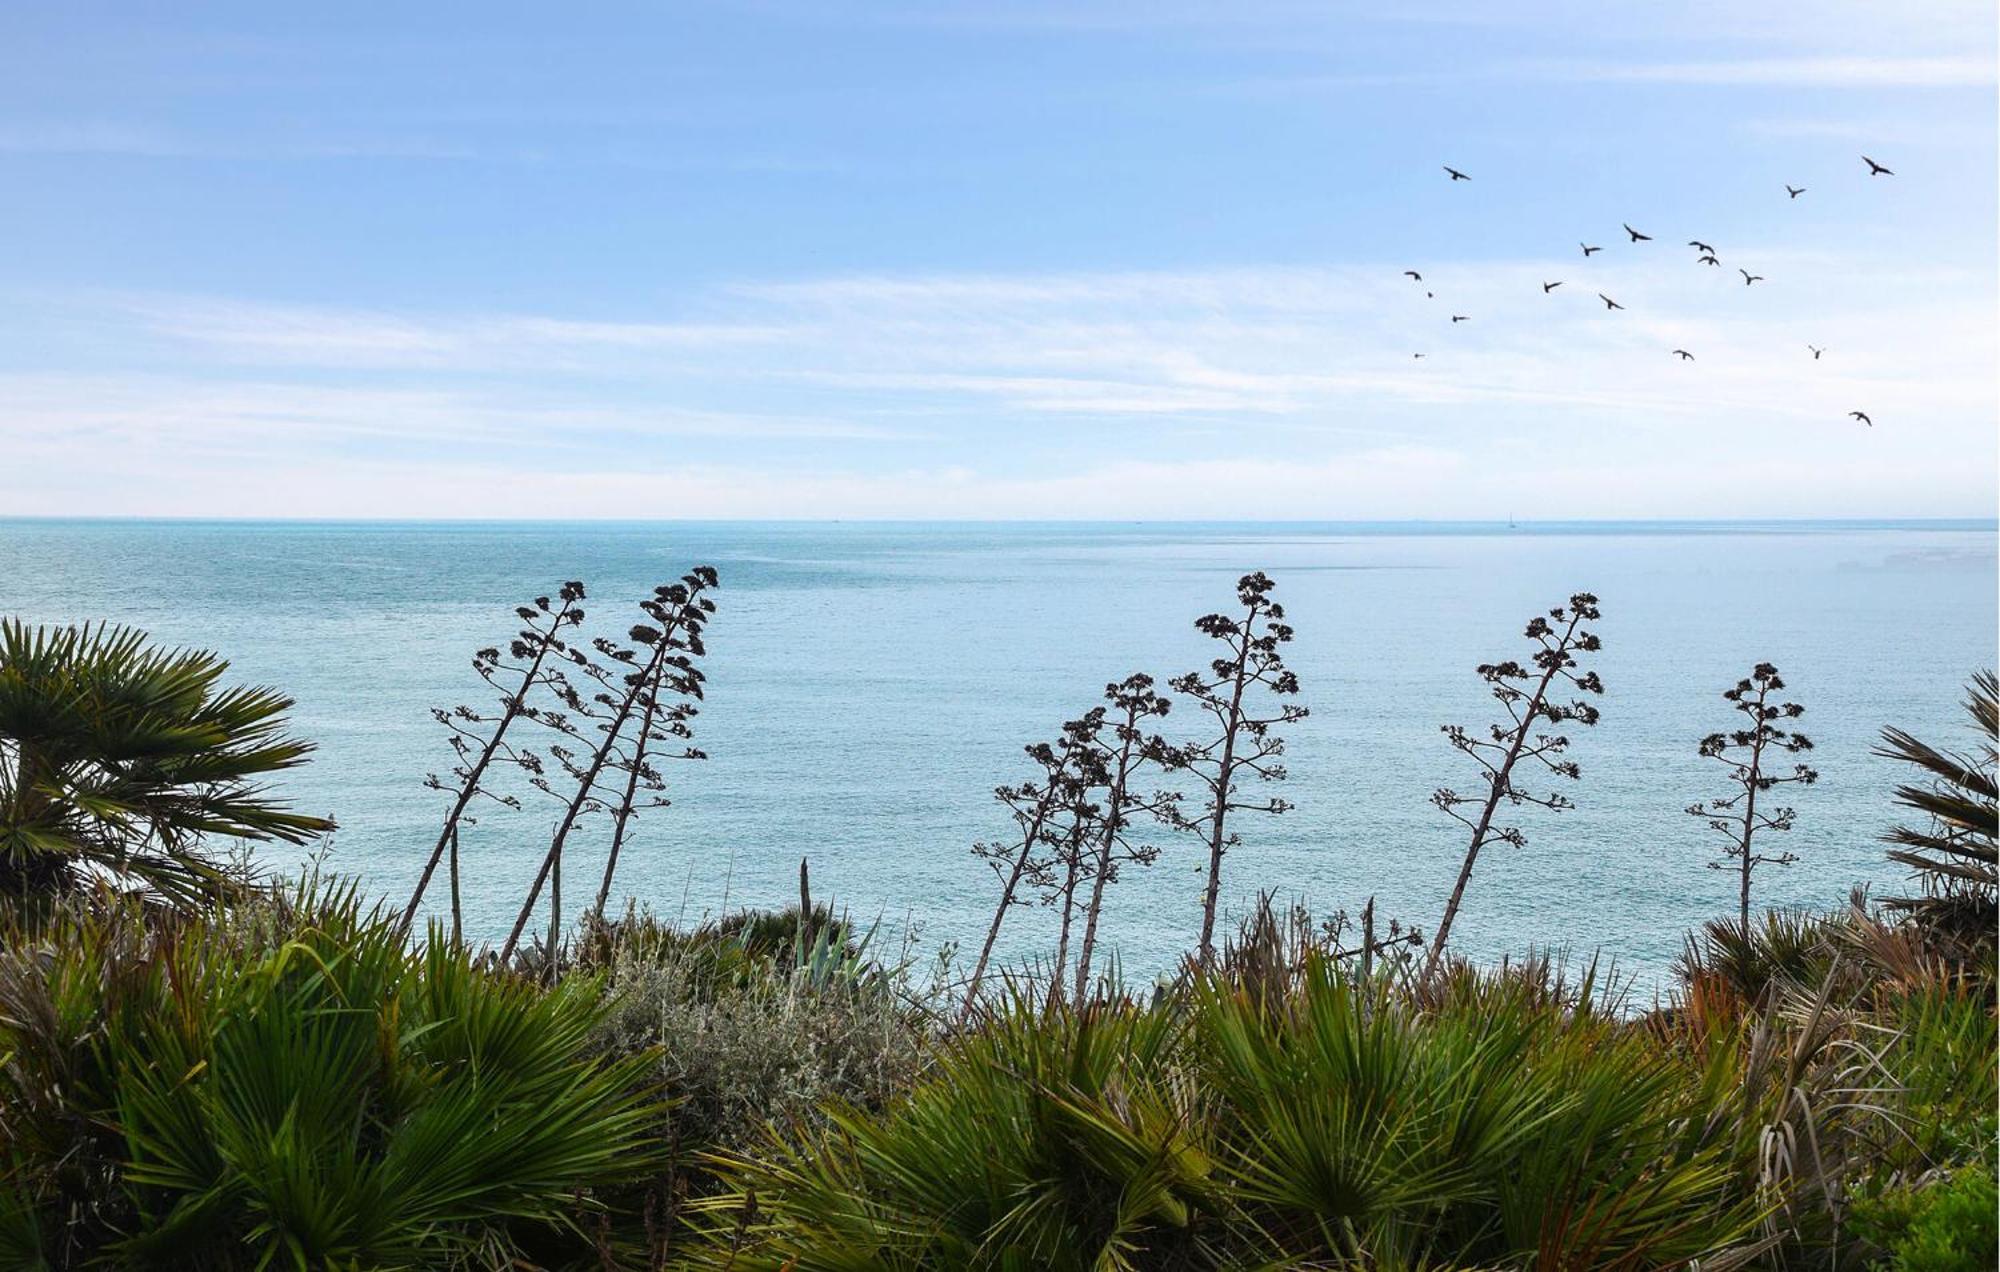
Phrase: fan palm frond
pixel 118 757
pixel 1955 851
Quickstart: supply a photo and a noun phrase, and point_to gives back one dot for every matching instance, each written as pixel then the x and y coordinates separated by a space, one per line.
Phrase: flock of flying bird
pixel 1706 256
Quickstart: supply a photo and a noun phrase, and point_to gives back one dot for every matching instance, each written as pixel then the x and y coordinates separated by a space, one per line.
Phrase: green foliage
pixel 1954 853
pixel 290 1086
pixel 119 757
pixel 1335 1124
pixel 1780 948
pixel 1945 1225
pixel 1036 1142
pixel 1942 1057
pixel 1510 1126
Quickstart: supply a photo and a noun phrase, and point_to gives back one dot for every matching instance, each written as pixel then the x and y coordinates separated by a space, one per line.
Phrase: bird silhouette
pixel 1636 236
pixel 1588 249
pixel 1795 191
pixel 1749 278
pixel 1549 287
pixel 1430 295
pixel 1414 274
pixel 1876 169
pixel 1710 260
pixel 1697 243
pixel 1456 175
pixel 1416 355
pixel 1863 417
pixel 1459 317
pixel 1683 355
pixel 1608 302
pixel 1816 351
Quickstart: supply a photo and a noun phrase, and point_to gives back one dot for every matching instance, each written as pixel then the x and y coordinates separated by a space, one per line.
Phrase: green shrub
pixel 1333 1123
pixel 1049 1142
pixel 1946 1225
pixel 294 1087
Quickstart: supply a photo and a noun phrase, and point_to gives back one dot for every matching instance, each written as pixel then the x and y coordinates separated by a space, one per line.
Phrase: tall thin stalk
pixel 1244 743
pixel 1134 701
pixel 661 724
pixel 1736 817
pixel 670 607
pixel 1034 806
pixel 1560 637
pixel 1072 858
pixel 531 649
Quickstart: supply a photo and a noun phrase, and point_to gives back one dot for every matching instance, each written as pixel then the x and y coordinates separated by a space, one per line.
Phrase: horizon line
pixel 1958 522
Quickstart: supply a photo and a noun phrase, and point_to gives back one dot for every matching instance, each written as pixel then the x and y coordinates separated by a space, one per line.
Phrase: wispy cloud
pixel 1240 391
pixel 289 423
pixel 1799 72
pixel 1272 343
pixel 332 336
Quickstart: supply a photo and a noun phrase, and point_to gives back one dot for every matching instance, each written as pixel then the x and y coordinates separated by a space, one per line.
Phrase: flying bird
pixel 1697 243
pixel 1416 355
pixel 1636 236
pixel 1456 175
pixel 1749 278
pixel 1876 169
pixel 1795 191
pixel 1816 351
pixel 1459 317
pixel 1588 249
pixel 1683 355
pixel 1710 260
pixel 1862 416
pixel 1608 302
pixel 1414 274
pixel 1549 287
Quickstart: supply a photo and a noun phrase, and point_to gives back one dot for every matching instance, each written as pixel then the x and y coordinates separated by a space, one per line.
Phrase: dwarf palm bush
pixel 296 1089
pixel 1059 1140
pixel 1334 1122
pixel 1954 853
pixel 1778 947
pixel 117 758
pixel 1510 1126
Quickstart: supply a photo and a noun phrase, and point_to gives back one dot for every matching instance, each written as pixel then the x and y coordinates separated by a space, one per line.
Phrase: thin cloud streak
pixel 1800 72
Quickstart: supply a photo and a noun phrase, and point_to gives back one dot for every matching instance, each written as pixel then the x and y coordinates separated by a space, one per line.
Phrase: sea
pixel 870 684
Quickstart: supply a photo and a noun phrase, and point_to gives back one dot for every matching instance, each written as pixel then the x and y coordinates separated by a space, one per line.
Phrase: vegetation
pixel 285 1082
pixel 1299 1114
pixel 1746 754
pixel 1530 697
pixel 1039 808
pixel 1243 749
pixel 287 1076
pixel 528 674
pixel 1958 793
pixel 118 759
pixel 641 700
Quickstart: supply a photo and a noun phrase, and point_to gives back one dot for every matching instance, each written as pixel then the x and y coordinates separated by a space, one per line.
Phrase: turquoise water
pixel 870 683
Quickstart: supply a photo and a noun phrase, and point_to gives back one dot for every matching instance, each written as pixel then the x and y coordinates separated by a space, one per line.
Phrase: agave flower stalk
pixel 1036 806
pixel 1527 696
pixel 1244 746
pixel 531 648
pixel 672 606
pixel 1134 701
pixel 1737 817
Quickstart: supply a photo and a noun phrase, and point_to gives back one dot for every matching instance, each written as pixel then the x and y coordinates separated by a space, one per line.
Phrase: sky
pixel 1079 259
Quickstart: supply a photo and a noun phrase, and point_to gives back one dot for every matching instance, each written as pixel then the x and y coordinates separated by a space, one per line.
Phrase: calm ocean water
pixel 870 683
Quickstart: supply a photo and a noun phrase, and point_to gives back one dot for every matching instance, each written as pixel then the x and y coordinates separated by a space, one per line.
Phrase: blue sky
pixel 1087 259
